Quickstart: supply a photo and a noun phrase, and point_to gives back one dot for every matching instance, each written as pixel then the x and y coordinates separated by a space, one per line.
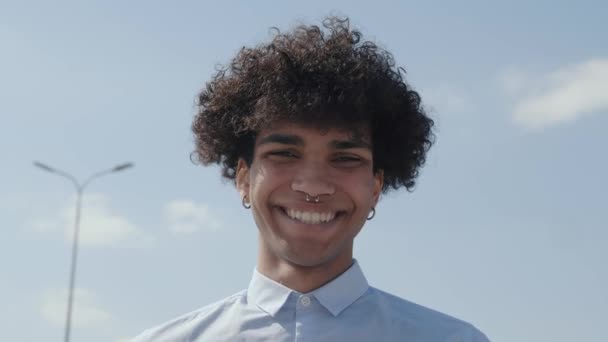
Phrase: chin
pixel 311 258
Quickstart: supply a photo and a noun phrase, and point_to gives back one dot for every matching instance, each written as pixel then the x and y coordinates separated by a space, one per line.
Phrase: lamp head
pixel 43 166
pixel 122 167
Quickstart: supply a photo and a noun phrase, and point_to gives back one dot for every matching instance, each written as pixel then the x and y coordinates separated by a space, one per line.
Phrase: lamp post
pixel 79 190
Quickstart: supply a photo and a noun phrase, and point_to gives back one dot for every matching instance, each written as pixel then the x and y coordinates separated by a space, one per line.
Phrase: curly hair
pixel 328 78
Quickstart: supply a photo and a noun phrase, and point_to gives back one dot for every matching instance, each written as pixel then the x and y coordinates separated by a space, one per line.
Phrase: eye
pixel 282 154
pixel 347 160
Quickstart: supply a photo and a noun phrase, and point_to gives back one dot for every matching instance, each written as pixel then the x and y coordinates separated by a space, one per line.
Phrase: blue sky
pixel 506 228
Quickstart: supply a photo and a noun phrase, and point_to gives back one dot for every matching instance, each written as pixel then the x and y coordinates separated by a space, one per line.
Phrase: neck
pixel 300 278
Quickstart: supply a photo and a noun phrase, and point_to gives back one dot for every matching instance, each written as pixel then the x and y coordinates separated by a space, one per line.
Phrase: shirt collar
pixel 341 292
pixel 335 296
pixel 267 294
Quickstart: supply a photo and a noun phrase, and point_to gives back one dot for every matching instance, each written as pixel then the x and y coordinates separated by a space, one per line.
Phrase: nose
pixel 313 180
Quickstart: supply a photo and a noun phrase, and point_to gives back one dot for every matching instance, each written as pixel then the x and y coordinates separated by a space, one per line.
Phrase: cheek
pixel 265 180
pixel 363 193
pixel 359 181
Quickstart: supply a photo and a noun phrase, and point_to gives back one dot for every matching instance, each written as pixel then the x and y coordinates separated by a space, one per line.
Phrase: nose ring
pixel 314 199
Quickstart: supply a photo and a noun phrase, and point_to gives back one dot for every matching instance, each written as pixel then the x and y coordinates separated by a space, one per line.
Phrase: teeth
pixel 310 217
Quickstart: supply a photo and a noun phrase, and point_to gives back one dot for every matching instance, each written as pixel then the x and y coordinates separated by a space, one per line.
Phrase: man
pixel 312 127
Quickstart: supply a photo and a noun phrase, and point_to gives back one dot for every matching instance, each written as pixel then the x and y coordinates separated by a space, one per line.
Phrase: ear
pixel 378 183
pixel 242 178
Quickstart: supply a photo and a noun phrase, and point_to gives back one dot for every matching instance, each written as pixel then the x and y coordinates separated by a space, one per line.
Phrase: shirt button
pixel 305 301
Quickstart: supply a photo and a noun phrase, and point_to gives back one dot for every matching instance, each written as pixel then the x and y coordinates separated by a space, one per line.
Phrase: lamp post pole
pixel 79 190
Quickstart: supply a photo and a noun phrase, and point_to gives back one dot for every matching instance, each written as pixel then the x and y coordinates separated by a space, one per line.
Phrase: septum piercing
pixel 315 199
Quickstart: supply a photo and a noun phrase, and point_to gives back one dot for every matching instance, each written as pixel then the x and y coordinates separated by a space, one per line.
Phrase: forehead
pixel 306 131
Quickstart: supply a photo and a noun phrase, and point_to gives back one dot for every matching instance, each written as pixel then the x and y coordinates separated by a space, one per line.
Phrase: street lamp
pixel 79 190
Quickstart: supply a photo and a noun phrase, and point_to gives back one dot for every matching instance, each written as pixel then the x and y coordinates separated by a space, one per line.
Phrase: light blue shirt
pixel 345 309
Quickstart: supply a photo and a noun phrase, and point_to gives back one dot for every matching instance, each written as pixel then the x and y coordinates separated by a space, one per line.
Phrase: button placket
pixel 304 317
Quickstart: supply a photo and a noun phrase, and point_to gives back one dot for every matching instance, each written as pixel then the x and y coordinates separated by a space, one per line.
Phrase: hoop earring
pixel 246 205
pixel 373 213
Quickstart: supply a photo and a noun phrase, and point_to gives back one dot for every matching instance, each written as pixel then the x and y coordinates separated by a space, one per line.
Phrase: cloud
pixel 86 311
pixel 100 226
pixel 186 217
pixel 560 96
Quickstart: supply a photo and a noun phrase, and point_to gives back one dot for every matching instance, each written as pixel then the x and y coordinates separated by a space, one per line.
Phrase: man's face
pixel 291 161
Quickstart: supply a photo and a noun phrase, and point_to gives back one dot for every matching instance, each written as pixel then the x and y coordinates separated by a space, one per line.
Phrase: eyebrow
pixel 285 139
pixel 290 139
pixel 348 144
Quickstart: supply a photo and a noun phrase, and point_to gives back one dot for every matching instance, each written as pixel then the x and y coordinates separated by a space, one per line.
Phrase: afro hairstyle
pixel 323 76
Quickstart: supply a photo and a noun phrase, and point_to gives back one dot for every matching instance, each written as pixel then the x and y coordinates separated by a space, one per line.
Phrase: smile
pixel 310 217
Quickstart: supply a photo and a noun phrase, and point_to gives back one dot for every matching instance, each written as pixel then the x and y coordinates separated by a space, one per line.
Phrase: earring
pixel 245 204
pixel 373 213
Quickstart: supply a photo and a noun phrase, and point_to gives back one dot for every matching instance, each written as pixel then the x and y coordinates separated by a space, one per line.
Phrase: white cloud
pixel 86 311
pixel 100 226
pixel 560 96
pixel 186 216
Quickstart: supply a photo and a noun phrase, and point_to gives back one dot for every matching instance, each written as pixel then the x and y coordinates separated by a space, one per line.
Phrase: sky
pixel 506 229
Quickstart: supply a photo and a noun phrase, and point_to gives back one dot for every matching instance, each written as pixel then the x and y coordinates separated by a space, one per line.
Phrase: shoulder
pixel 432 324
pixel 182 327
